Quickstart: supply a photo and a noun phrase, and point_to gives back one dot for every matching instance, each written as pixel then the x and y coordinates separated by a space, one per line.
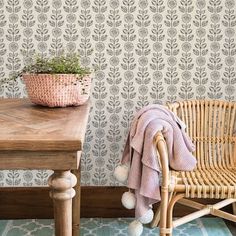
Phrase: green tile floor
pixel 111 227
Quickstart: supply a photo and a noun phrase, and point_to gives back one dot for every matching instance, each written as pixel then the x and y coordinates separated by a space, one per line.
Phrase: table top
pixel 25 126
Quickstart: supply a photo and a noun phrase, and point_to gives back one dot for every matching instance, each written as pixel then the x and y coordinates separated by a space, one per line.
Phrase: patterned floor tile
pixel 111 227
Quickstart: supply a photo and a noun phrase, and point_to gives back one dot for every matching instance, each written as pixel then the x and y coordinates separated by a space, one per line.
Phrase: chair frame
pixel 172 193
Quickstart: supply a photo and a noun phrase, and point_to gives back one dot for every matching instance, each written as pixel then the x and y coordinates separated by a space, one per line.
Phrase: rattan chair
pixel 211 125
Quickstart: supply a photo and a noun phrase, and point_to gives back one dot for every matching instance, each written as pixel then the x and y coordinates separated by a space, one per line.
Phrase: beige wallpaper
pixel 145 52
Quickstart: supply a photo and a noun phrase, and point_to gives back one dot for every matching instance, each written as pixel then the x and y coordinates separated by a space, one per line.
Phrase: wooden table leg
pixel 76 206
pixel 62 192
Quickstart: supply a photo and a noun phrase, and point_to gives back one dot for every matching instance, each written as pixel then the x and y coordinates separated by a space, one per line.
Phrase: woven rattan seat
pixel 206 183
pixel 211 126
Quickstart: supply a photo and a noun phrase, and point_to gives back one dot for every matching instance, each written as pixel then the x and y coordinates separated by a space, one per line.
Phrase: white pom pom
pixel 147 217
pixel 121 173
pixel 135 228
pixel 128 200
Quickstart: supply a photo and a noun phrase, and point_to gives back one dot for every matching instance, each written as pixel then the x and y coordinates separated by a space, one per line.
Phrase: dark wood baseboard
pixel 20 203
pixel 26 203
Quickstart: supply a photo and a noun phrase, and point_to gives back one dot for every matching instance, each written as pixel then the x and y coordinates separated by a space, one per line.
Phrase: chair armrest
pixel 164 160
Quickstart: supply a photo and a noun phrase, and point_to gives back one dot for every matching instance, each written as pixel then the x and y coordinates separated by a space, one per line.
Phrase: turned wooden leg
pixel 76 206
pixel 234 208
pixel 62 192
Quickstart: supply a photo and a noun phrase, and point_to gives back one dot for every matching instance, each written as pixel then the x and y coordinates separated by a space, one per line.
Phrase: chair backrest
pixel 211 125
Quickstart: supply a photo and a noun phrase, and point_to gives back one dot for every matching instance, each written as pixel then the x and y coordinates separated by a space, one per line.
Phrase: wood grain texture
pixel 39 160
pixel 76 202
pixel 25 126
pixel 62 192
pixel 26 203
pixel 36 137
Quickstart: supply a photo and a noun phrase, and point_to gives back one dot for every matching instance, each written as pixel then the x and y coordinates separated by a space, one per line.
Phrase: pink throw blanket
pixel 140 153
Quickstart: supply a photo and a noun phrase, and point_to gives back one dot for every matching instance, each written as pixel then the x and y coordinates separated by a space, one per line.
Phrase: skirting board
pixel 27 203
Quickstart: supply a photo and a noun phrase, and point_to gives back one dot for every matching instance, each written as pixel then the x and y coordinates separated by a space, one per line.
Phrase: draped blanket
pixel 140 153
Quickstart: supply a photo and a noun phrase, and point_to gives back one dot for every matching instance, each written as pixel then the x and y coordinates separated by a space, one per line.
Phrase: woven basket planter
pixel 57 90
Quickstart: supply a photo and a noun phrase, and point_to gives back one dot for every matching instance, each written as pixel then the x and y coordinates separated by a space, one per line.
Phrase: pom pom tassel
pixel 128 200
pixel 147 217
pixel 121 173
pixel 135 228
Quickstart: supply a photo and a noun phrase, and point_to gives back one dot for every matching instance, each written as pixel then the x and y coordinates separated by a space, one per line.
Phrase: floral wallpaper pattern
pixel 144 51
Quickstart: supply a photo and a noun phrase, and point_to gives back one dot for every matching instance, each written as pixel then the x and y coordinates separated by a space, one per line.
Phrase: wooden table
pixel 36 137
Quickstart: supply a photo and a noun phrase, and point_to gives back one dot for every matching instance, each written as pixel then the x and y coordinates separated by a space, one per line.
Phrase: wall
pixel 144 52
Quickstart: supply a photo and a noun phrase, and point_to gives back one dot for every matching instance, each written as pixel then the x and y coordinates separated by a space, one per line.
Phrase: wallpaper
pixel 144 51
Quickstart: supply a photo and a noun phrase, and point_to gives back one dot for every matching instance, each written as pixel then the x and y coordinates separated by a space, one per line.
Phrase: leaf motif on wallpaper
pixel 200 49
pixel 3 49
pixel 42 35
pixel 229 21
pixel 13 90
pixel 99 36
pixel 86 163
pixel 112 162
pixel 13 178
pixel 143 50
pixel 2 178
pixel 171 50
pixel 128 62
pixel 28 21
pixel 70 6
pixel 186 61
pixel 41 177
pixel 13 62
pixel 85 49
pixel 114 79
pixel 56 21
pixel 13 36
pixel 215 62
pixel 99 177
pixel 2 19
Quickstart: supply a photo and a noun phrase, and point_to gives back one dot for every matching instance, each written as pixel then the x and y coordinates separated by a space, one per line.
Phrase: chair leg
pixel 170 209
pixel 156 218
pixel 234 208
pixel 163 211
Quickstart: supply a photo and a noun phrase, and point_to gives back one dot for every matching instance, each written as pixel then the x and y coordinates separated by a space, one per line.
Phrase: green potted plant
pixel 57 82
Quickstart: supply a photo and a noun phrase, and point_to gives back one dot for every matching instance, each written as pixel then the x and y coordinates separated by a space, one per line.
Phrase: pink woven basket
pixel 57 90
